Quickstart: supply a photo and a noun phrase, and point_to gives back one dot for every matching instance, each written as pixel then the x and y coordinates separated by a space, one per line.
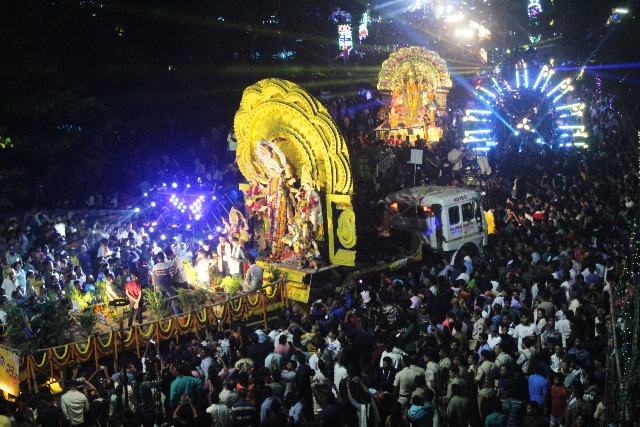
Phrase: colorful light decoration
pixel 534 8
pixel 363 30
pixel 345 37
pixel 538 116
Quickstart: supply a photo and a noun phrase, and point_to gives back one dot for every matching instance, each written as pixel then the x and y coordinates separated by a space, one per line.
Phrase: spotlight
pixel 218 228
pixel 198 216
pixel 163 237
pixel 164 184
pixel 214 198
pixel 136 210
pixel 153 204
pixel 145 194
pixel 201 197
pixel 200 242
pixel 188 185
pixel 516 133
pixel 154 223
pixel 210 236
pixel 150 229
pixel 188 227
pixel 174 185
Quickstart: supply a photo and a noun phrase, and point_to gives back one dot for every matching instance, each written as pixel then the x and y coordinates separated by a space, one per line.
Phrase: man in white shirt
pixel 74 404
pixel 494 337
pixel 455 158
pixel 394 353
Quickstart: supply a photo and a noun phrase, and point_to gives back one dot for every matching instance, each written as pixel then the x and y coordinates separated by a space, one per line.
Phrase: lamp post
pixel 120 303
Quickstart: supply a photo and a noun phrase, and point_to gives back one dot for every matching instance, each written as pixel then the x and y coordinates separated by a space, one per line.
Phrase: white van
pixel 446 218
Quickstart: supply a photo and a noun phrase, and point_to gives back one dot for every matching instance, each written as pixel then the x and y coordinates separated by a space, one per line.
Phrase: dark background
pixel 88 85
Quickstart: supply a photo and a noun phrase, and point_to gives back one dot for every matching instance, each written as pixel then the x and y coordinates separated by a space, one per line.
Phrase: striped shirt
pixel 180 272
pixel 243 413
pixel 162 271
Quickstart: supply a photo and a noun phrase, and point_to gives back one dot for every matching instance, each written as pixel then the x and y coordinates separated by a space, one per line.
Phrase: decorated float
pixel 298 196
pixel 413 83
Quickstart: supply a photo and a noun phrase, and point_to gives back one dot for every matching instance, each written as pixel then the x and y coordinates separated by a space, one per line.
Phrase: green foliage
pixel 101 293
pixel 84 300
pixel 214 276
pixel 17 334
pixel 271 274
pixel 5 142
pixel 87 322
pixel 231 285
pixel 192 273
pixel 154 302
pixel 190 300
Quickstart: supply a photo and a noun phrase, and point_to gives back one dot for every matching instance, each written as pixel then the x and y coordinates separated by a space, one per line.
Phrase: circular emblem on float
pixel 347 229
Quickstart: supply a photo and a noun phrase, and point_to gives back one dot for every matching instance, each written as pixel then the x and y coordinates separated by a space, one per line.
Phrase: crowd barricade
pixel 237 309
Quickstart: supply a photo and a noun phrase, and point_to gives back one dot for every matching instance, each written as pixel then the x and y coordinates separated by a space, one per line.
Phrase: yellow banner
pixel 9 372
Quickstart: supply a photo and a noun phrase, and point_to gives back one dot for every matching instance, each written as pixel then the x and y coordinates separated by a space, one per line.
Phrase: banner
pixel 9 372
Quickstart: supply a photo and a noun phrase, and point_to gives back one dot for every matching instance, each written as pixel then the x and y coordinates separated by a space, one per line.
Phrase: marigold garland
pixel 254 304
pixel 146 334
pixel 66 352
pixel 186 323
pixel 44 360
pixel 164 331
pixel 61 361
pixel 204 316
pixel 221 308
pixel 274 288
pixel 87 347
pixel 127 338
pixel 237 310
pixel 108 344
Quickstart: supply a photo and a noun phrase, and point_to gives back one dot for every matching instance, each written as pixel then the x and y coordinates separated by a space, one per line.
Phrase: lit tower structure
pixel 527 110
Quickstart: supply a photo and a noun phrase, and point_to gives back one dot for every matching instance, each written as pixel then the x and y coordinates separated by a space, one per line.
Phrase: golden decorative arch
pixel 286 115
pixel 414 60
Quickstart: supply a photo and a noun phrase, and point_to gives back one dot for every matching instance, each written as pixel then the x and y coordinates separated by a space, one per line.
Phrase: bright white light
pixel 154 223
pixel 218 228
pixel 164 184
pixel 200 242
pixel 542 71
pixel 174 185
pixel 198 216
pixel 153 204
pixel 567 107
pixel 620 10
pixel 163 237
pixel 151 229
pixel 471 132
pixel 478 112
pixel 136 210
pixel 201 197
pixel 214 198
pixel 486 91
pixel 516 133
pixel 145 194
pixel 517 78
pixel 188 185
pixel 210 236
pixel 188 227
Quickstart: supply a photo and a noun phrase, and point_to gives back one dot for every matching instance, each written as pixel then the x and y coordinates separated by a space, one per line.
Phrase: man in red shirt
pixel 559 398
pixel 133 289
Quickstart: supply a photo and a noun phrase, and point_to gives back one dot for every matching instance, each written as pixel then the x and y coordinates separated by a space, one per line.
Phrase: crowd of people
pixel 517 336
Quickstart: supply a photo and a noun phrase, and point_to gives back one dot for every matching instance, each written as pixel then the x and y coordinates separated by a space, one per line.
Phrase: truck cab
pixel 446 218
